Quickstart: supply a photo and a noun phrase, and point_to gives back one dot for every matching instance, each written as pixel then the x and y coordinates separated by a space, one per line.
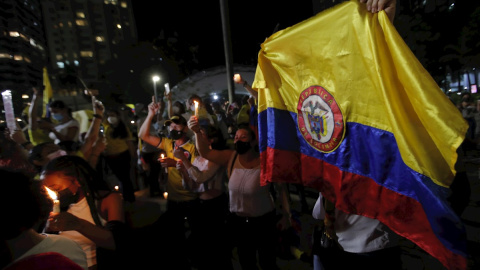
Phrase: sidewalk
pixel 147 210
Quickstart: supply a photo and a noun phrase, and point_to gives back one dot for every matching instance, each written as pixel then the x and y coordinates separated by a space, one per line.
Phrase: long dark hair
pixel 92 185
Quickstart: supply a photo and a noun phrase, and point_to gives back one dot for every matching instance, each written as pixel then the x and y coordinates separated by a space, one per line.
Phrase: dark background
pixel 198 24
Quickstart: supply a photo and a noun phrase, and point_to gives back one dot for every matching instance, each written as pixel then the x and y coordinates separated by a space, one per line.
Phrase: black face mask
pixel 175 134
pixel 66 198
pixel 242 147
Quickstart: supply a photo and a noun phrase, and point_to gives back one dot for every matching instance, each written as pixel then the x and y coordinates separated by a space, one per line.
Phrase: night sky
pixel 199 22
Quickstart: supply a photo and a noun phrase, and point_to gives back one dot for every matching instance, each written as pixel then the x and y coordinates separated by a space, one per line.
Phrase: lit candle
pixel 116 188
pixel 165 195
pixel 56 202
pixel 196 108
pixel 237 78
pixel 162 156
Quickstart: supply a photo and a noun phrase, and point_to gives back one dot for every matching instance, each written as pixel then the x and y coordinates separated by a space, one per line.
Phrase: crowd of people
pixel 203 153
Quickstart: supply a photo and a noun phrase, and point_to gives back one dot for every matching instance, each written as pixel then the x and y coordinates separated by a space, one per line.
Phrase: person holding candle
pixel 91 214
pixel 26 203
pixel 253 223
pixel 182 203
pixel 197 108
pixel 209 180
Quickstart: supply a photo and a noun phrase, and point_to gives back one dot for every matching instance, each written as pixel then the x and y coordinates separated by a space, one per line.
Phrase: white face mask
pixel 112 120
pixel 56 154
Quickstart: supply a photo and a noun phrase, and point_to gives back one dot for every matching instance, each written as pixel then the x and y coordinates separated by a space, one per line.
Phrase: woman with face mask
pixel 252 223
pixel 121 152
pixel 90 213
pixel 66 128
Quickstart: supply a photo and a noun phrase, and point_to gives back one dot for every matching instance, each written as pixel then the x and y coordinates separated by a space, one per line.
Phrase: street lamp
pixel 155 80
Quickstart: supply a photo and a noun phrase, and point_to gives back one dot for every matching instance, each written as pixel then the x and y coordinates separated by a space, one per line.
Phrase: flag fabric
pixel 47 92
pixel 346 108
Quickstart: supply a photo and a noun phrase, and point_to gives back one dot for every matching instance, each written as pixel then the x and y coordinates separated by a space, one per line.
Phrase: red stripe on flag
pixel 349 191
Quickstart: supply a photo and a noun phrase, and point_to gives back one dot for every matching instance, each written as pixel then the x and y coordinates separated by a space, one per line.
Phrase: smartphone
pixel 167 88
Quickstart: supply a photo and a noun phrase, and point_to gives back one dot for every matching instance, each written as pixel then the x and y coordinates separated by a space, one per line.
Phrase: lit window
pixel 76 63
pixel 123 4
pixel 59 57
pixel 86 53
pixel 119 26
pixel 81 22
pixel 17 57
pixel 80 14
pixel 60 65
pixel 100 38
pixel 5 55
pixel 14 34
pixel 27 60
pixel 60 24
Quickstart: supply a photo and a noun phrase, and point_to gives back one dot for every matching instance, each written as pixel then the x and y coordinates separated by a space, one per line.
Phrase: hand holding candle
pixel 162 157
pixel 56 202
pixel 196 108
pixel 237 78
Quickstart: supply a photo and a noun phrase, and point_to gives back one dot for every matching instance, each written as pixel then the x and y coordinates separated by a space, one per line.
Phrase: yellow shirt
pixel 38 136
pixel 243 116
pixel 116 146
pixel 175 189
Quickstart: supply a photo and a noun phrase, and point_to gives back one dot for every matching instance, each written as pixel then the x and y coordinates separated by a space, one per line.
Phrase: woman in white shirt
pixel 27 205
pixel 67 127
pixel 253 222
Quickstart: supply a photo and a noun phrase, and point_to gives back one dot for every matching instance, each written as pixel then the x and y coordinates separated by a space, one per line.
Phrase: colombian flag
pixel 346 108
pixel 47 92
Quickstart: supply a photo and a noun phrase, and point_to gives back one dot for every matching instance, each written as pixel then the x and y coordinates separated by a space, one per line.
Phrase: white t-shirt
pixel 208 175
pixel 82 210
pixel 62 245
pixel 359 234
pixel 63 129
pixel 356 233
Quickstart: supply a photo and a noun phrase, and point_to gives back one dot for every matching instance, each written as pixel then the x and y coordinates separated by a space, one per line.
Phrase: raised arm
pixel 144 132
pixel 94 129
pixel 221 157
pixel 32 110
pixel 239 80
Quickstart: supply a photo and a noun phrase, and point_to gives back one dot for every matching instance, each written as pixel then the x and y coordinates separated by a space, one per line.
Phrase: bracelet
pixel 97 116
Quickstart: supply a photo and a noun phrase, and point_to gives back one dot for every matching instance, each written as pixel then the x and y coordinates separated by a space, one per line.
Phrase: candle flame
pixel 51 193
pixel 162 155
pixel 116 188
